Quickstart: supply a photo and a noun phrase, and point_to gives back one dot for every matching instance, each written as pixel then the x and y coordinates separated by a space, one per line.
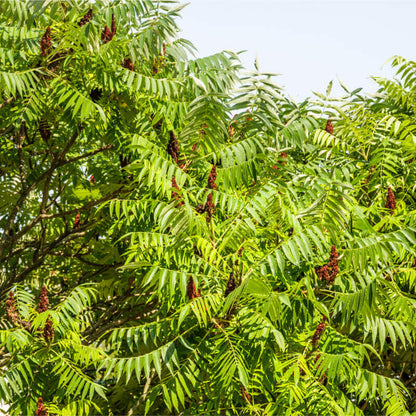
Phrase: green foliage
pixel 208 245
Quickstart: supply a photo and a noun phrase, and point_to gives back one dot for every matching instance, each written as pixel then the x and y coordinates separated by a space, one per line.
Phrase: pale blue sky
pixel 309 42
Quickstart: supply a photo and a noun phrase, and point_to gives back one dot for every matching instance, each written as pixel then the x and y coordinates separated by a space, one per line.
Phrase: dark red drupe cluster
pixel 48 331
pixel 212 178
pixel 391 201
pixel 173 147
pixel 11 311
pixel 107 34
pixel 43 306
pixel 86 18
pixel 329 272
pixel 41 411
pixel 191 290
pixel 43 300
pixel 329 127
pixel 209 208
pixel 46 43
pixel 231 285
pixel 128 64
pixel 320 329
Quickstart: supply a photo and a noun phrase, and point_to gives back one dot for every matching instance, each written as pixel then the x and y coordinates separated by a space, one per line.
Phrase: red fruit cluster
pixel 391 201
pixel 11 311
pixel 320 329
pixel 41 411
pixel 175 195
pixel 329 127
pixel 231 285
pixel 212 178
pixel 86 18
pixel 209 208
pixel 46 43
pixel 77 222
pixel 329 272
pixel 43 300
pixel 48 331
pixel 44 130
pixel 173 147
pixel 200 208
pixel 191 290
pixel 128 64
pixel 107 34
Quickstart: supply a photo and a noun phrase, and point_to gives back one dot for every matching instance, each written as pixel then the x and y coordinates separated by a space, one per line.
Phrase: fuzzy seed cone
pixel 43 300
pixel 231 285
pixel 11 311
pixel 209 208
pixel 323 273
pixel 191 290
pixel 173 147
pixel 329 127
pixel 86 18
pixel 128 64
pixel 46 43
pixel 391 201
pixel 48 331
pixel 41 411
pixel 106 35
pixel 320 329
pixel 212 178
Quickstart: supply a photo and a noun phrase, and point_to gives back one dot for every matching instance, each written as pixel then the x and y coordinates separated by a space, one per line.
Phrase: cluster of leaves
pixel 207 244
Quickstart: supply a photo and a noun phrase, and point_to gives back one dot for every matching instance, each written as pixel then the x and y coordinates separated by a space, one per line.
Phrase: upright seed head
pixel 173 147
pixel 212 178
pixel 86 18
pixel 46 43
pixel 329 127
pixel 128 64
pixel 11 311
pixel 191 290
pixel 320 329
pixel 391 201
pixel 48 331
pixel 209 208
pixel 41 411
pixel 43 300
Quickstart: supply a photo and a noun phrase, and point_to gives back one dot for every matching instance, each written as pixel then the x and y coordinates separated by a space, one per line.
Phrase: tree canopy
pixel 179 236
